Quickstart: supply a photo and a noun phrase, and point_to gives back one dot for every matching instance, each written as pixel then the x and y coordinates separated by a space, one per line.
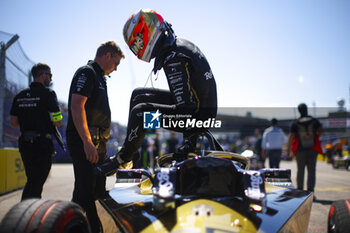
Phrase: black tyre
pixel 339 217
pixel 45 216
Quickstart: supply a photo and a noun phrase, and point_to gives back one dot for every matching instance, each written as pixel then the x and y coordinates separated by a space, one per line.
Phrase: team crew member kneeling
pixel 192 87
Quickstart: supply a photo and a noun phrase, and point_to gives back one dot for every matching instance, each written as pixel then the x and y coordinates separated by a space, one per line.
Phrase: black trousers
pixel 88 187
pixel 151 99
pixel 274 156
pixel 306 158
pixel 37 160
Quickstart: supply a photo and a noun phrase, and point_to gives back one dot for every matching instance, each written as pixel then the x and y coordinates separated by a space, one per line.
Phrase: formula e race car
pixel 343 161
pixel 207 191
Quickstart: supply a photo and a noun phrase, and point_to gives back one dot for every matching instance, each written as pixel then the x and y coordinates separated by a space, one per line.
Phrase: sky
pixel 263 53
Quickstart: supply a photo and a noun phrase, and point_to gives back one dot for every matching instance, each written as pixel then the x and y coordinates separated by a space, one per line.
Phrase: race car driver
pixel 192 87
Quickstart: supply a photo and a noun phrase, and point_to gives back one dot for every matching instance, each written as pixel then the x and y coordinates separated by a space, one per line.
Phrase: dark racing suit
pixel 192 91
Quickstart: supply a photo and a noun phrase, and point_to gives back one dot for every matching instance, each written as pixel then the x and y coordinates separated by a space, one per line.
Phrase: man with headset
pixel 88 128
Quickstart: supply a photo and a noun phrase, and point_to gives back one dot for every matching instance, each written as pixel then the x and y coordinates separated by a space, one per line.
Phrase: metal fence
pixel 15 69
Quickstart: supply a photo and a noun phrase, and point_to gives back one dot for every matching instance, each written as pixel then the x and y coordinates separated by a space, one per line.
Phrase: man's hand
pixel 14 121
pixel 90 152
pixel 80 122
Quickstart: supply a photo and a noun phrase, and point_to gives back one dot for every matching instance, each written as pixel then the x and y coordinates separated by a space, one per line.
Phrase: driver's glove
pixel 109 166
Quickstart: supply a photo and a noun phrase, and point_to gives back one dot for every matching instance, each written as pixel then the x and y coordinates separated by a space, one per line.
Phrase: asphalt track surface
pixel 331 185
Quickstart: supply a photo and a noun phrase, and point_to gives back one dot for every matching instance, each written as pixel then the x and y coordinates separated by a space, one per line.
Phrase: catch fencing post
pixel 4 47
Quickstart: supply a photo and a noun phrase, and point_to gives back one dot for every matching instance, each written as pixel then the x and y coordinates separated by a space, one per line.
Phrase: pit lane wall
pixel 12 174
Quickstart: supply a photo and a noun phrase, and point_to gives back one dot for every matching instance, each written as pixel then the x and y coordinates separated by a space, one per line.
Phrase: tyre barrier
pixel 45 216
